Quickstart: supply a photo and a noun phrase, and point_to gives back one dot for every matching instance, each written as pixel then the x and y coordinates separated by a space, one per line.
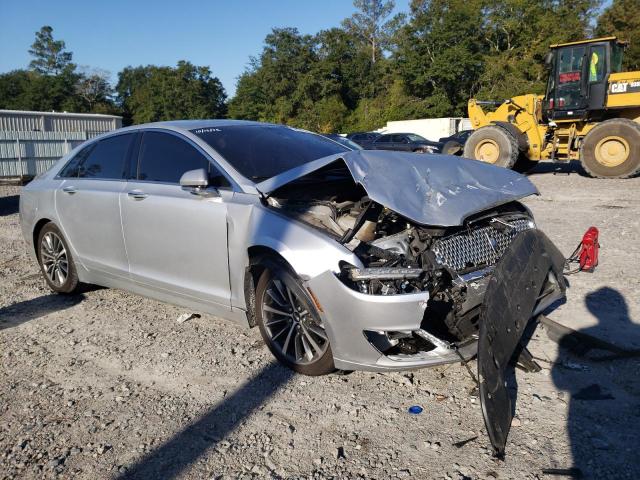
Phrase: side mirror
pixel 197 181
pixel 194 178
pixel 548 59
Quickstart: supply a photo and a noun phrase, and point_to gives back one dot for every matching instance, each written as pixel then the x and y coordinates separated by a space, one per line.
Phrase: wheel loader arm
pixel 476 113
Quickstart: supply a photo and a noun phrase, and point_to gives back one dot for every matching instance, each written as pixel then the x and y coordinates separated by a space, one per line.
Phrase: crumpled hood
pixel 439 190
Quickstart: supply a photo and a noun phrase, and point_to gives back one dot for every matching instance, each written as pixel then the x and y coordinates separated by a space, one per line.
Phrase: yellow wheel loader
pixel 590 112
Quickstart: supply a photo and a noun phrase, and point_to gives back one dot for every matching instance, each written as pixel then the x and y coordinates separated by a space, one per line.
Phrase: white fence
pixel 26 154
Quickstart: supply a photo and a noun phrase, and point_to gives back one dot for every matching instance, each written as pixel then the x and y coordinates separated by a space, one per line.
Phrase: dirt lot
pixel 109 385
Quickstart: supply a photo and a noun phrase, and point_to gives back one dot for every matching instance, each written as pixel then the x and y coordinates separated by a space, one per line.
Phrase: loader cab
pixel 578 76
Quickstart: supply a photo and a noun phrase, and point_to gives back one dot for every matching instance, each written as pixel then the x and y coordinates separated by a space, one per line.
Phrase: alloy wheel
pixel 290 325
pixel 55 262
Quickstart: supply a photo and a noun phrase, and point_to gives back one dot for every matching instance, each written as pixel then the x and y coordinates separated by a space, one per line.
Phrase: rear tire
pixel 452 148
pixel 56 263
pixel 492 144
pixel 612 149
pixel 290 324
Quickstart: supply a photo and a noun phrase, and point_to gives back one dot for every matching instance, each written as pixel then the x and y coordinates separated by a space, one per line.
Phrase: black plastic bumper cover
pixel 509 302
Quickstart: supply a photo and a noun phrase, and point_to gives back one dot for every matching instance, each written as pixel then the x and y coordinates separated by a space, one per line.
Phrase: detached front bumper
pixel 349 316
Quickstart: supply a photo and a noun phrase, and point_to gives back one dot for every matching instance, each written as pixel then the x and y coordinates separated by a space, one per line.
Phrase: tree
pixel 94 89
pixel 622 19
pixel 50 55
pixel 370 26
pixel 152 93
pixel 517 35
pixel 439 55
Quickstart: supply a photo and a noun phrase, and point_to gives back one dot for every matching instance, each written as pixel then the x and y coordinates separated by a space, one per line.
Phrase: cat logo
pixel 619 87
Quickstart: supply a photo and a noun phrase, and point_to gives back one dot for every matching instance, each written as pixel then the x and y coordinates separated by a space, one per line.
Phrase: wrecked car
pixel 352 260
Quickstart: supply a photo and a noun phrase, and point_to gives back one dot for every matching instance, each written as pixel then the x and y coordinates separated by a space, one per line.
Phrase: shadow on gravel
pixel 604 390
pixel 559 168
pixel 183 449
pixel 21 312
pixel 9 205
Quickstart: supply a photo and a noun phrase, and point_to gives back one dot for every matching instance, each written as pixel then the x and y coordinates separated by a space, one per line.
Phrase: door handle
pixel 137 195
pixel 70 190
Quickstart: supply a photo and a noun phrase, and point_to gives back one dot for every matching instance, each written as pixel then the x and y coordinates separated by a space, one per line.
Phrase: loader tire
pixel 612 149
pixel 492 144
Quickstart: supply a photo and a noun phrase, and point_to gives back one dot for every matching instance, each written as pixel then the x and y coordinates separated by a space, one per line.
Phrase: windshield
pixel 259 152
pixel 344 141
pixel 416 138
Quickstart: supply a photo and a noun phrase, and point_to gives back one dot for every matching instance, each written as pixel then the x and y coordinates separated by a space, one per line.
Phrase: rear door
pixel 176 241
pixel 87 203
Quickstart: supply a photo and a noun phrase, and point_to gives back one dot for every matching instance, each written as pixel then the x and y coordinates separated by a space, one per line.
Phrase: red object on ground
pixel 588 256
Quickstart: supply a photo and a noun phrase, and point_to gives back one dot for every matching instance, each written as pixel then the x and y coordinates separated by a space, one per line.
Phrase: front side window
pixel 416 138
pixel 72 168
pixel 165 158
pixel 106 160
pixel 400 139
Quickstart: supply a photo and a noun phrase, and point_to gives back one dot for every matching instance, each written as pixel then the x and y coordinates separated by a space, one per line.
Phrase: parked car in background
pixel 364 139
pixel 405 142
pixel 454 144
pixel 350 144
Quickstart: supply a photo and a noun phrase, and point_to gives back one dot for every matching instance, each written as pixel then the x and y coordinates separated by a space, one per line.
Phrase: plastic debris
pixel 415 410
pixel 186 317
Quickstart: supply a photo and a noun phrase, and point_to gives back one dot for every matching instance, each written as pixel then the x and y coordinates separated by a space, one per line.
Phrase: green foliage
pixel 439 53
pixel 373 69
pixel 151 93
pixel 622 19
pixel 517 36
pixel 49 55
pixel 370 25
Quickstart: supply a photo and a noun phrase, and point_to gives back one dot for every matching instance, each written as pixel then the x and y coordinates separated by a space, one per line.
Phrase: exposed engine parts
pixel 400 257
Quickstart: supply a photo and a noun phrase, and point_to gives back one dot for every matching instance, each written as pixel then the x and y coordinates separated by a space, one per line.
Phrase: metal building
pixel 31 142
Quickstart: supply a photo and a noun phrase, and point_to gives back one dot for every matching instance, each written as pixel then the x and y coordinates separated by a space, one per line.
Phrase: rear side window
pixel 165 158
pixel 106 160
pixel 384 138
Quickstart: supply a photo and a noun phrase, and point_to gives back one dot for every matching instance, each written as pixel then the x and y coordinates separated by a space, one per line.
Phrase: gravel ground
pixel 107 384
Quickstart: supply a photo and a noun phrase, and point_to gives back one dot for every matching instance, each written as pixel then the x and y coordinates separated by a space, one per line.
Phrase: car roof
pixel 193 124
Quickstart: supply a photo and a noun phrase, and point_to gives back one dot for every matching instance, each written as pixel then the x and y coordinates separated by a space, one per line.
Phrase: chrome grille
pixel 479 247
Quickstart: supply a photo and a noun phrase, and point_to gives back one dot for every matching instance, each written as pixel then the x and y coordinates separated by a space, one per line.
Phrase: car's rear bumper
pixel 347 315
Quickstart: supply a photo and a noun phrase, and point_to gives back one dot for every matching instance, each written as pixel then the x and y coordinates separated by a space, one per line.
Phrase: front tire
pixel 290 324
pixel 56 263
pixel 612 149
pixel 492 144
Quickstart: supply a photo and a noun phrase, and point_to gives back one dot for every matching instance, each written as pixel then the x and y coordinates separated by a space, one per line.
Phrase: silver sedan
pixel 344 259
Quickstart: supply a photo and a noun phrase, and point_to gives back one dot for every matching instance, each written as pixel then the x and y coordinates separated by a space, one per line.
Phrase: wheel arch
pixel 256 265
pixel 36 232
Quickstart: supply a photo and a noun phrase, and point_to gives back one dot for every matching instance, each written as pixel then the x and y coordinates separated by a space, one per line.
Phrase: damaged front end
pixel 441 271
pixel 451 265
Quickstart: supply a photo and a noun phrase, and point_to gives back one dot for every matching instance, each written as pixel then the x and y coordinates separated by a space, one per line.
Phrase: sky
pixel 221 34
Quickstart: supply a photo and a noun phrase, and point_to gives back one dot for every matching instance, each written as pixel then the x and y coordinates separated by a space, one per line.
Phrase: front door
pixel 176 241
pixel 87 203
